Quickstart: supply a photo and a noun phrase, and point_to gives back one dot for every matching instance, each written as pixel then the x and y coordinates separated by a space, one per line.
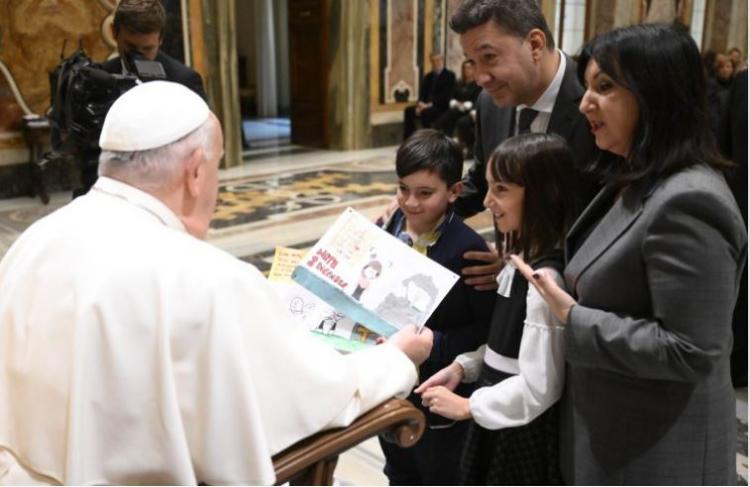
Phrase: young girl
pixel 513 436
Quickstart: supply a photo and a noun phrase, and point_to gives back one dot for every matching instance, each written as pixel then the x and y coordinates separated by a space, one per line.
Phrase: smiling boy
pixel 429 167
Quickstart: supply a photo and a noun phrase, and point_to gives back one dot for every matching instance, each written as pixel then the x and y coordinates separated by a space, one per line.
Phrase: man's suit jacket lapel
pixel 501 126
pixel 612 224
pixel 563 118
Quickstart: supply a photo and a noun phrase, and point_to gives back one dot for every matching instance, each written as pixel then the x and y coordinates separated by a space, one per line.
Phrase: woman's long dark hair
pixel 660 64
pixel 543 165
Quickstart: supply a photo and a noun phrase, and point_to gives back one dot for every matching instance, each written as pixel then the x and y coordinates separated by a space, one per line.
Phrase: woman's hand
pixel 558 300
pixel 449 377
pixel 446 403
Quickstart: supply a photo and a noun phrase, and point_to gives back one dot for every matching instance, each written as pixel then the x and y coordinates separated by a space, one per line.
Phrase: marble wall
pixel 34 36
pixel 726 25
pixel 403 34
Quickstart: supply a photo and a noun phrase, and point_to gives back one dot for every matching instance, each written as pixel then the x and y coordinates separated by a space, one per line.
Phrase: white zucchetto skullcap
pixel 151 115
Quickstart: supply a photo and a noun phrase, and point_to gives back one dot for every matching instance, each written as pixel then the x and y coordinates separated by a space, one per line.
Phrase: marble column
pixel 716 24
pixel 600 17
pixel 349 75
pixel 222 85
pixel 737 36
pixel 627 12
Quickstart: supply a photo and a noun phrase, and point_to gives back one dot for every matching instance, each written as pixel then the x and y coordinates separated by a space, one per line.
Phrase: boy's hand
pixel 482 277
pixel 448 377
pixel 416 345
pixel 446 403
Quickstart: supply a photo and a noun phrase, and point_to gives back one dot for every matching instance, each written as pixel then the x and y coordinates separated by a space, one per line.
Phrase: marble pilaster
pixel 222 85
pixel 349 80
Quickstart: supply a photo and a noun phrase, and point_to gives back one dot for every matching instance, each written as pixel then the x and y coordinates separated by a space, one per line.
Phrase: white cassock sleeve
pixel 518 400
pixel 132 353
pixel 260 379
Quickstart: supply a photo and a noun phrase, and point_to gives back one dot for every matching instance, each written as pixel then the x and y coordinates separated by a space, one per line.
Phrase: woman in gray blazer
pixel 653 269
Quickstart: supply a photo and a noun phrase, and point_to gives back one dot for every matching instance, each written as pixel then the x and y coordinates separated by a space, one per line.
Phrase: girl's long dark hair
pixel 660 64
pixel 543 165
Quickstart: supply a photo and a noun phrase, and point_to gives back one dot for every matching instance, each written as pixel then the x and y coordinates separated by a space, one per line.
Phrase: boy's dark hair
pixel 543 165
pixel 432 151
pixel 516 17
pixel 141 16
pixel 660 64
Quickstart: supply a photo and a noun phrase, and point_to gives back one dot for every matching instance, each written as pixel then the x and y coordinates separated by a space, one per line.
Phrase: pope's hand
pixel 448 377
pixel 558 300
pixel 416 345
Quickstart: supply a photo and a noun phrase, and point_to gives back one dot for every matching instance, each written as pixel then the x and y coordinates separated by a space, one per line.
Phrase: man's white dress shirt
pixel 546 103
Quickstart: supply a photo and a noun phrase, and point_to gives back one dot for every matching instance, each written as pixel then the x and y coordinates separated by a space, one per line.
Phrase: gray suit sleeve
pixel 694 250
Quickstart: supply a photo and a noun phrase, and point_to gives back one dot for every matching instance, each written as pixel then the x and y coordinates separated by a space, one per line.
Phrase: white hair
pixel 159 168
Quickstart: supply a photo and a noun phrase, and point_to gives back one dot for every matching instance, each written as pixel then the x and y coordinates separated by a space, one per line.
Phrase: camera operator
pixel 138 28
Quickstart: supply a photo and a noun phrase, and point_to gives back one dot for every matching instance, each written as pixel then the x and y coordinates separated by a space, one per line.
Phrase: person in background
pixel 738 61
pixel 520 371
pixel 460 114
pixel 138 29
pixel 719 80
pixel 134 352
pixel 434 95
pixel 652 275
pixel 429 166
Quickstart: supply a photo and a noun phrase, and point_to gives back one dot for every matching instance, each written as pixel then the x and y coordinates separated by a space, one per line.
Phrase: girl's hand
pixel 558 300
pixel 448 377
pixel 446 403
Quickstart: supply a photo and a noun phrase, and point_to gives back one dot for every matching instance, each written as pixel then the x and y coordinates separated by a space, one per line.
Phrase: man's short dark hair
pixel 141 16
pixel 433 151
pixel 516 17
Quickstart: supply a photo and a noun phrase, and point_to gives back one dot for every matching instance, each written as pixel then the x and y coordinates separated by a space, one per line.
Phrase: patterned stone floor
pixel 289 197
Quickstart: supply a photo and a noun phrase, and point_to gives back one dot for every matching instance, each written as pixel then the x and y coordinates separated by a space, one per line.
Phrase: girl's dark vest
pixel 509 315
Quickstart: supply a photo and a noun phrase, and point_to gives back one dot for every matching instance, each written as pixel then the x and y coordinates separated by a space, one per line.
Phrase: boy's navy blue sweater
pixel 461 321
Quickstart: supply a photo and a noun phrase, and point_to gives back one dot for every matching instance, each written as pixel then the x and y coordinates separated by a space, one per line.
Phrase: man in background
pixel 434 96
pixel 138 28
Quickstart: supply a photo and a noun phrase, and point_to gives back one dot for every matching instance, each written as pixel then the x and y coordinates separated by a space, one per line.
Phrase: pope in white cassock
pixel 133 352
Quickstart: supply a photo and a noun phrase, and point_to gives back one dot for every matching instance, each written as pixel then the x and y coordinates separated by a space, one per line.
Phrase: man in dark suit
pixel 434 96
pixel 529 86
pixel 138 28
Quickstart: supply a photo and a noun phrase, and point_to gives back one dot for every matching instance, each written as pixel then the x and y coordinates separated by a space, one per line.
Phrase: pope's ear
pixel 194 172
